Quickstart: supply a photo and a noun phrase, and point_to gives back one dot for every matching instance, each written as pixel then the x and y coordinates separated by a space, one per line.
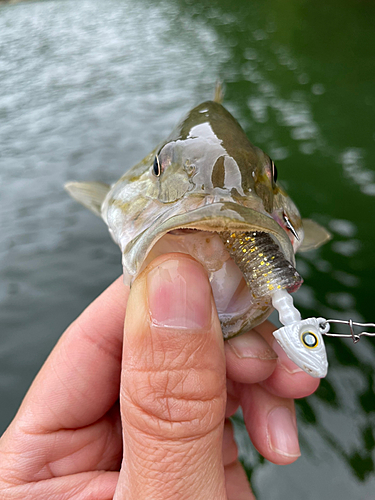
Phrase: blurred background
pixel 88 88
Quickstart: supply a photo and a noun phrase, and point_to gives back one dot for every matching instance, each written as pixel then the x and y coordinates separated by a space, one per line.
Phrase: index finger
pixel 80 380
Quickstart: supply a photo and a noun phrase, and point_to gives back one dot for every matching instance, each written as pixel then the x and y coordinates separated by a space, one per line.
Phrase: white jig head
pixel 301 340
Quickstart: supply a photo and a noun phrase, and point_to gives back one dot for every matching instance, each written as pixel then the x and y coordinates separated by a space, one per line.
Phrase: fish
pixel 207 191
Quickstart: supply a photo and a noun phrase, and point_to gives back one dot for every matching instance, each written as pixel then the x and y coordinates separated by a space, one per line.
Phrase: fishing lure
pixel 268 274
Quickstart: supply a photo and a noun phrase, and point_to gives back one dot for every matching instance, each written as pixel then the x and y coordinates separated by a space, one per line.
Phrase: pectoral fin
pixel 90 194
pixel 315 235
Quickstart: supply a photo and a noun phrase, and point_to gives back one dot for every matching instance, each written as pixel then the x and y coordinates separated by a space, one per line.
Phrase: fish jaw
pixel 195 233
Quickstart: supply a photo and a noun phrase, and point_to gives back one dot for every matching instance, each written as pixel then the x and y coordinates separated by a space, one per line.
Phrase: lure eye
pixel 274 171
pixel 309 339
pixel 156 168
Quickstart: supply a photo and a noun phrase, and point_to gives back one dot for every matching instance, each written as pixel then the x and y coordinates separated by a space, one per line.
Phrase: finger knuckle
pixel 175 403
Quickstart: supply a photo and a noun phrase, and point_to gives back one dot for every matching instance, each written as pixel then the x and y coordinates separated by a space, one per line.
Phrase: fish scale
pixel 261 261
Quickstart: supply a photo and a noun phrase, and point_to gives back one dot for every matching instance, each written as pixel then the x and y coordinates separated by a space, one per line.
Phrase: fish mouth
pixel 197 232
pixel 216 217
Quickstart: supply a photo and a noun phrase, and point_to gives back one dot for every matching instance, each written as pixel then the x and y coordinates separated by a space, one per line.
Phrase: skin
pixel 164 384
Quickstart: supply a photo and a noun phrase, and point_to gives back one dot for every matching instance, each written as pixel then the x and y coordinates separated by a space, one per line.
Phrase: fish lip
pixel 215 217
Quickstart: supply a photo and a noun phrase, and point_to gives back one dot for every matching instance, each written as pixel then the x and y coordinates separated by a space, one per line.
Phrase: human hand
pixel 66 439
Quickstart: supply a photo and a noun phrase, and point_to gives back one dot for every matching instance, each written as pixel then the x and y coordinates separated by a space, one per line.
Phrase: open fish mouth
pixel 245 253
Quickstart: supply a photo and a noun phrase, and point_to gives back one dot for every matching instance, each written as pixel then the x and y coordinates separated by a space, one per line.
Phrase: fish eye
pixel 309 339
pixel 156 166
pixel 274 171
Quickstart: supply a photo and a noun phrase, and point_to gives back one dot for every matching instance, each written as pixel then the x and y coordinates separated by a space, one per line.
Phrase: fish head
pixel 303 343
pixel 206 160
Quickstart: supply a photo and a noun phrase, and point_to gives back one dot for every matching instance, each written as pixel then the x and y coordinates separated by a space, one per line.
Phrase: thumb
pixel 173 390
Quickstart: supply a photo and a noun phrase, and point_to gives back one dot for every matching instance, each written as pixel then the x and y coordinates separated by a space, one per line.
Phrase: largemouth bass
pixel 208 192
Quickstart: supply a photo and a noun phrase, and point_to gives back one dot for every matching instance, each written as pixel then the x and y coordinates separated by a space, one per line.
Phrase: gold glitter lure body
pixel 261 262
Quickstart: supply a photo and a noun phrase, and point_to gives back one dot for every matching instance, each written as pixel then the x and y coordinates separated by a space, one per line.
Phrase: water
pixel 88 88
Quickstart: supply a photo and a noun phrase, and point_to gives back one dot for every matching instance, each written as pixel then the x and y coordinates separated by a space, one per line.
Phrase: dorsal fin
pixel 219 92
pixel 90 194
